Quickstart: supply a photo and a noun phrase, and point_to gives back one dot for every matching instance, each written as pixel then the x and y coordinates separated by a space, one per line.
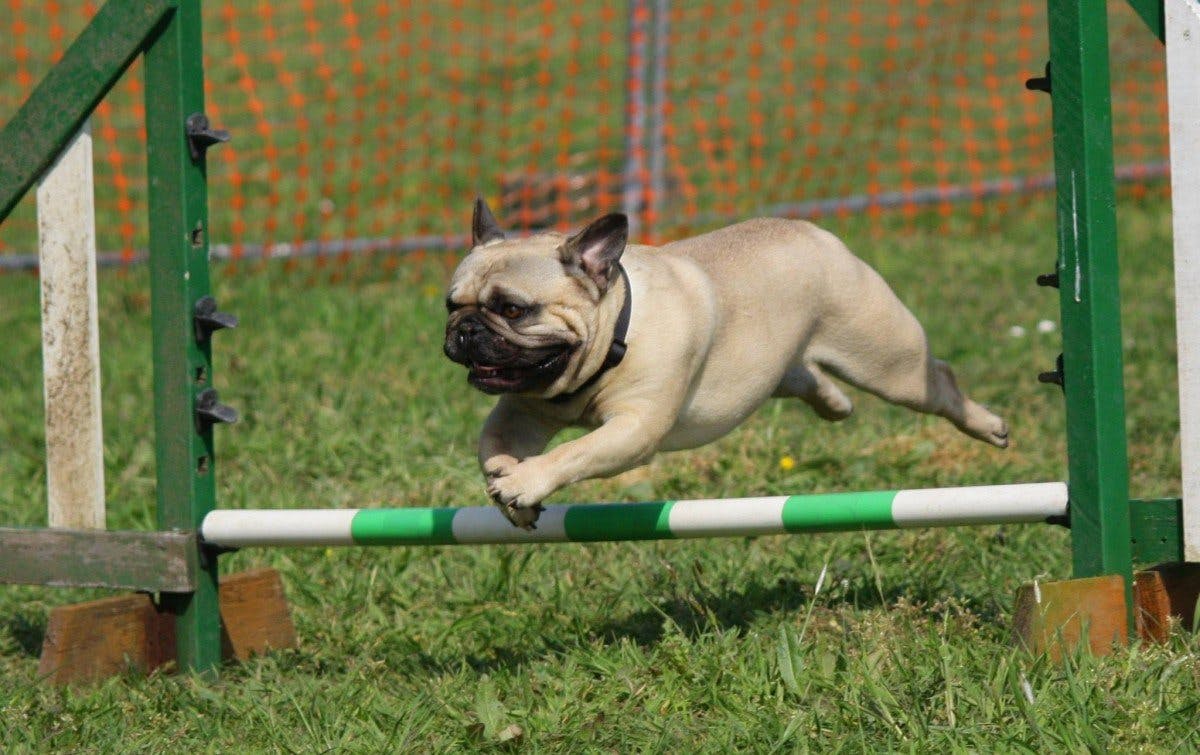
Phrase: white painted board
pixel 1183 94
pixel 70 339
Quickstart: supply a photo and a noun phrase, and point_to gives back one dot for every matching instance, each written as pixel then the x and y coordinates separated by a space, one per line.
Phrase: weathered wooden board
pixel 151 561
pixel 70 339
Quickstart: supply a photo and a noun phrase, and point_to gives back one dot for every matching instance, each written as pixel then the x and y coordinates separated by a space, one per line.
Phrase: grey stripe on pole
pixel 635 114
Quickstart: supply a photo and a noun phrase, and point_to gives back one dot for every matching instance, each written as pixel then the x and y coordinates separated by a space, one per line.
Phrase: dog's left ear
pixel 595 250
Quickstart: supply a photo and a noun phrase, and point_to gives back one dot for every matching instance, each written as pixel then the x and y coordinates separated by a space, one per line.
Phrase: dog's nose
pixel 466 330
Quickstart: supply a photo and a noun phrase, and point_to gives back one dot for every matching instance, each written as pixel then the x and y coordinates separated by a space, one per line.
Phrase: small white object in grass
pixel 1027 689
pixel 1046 326
pixel 821 579
pixel 510 733
pixel 1016 331
pixel 326 206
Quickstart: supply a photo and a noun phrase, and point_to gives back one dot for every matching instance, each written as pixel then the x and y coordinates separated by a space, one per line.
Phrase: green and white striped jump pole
pixel 664 520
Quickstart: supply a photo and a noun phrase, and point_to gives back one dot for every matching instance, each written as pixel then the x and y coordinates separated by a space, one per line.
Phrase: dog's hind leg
pixel 894 363
pixel 808 383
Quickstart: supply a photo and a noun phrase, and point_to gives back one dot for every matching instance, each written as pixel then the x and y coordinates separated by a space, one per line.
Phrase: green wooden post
pixel 1088 289
pixel 1152 13
pixel 63 100
pixel 179 278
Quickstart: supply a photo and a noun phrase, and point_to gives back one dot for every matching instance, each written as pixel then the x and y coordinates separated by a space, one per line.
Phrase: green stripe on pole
pixel 660 520
pixel 831 512
pixel 630 521
pixel 403 526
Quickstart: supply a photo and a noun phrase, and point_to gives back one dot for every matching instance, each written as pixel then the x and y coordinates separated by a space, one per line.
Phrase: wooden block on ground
pixel 254 614
pixel 102 638
pixel 1057 617
pixel 1162 592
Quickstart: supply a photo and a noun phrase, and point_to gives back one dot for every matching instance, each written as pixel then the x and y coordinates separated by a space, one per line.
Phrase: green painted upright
pixel 1088 288
pixel 47 122
pixel 179 278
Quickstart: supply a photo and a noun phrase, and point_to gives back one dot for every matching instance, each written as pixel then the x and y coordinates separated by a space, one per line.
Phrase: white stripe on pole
pixel 485 524
pixel 729 516
pixel 983 504
pixel 1183 103
pixel 70 339
pixel 235 528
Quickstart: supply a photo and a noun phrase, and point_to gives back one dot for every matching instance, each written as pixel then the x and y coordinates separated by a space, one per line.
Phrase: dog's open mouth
pixel 513 378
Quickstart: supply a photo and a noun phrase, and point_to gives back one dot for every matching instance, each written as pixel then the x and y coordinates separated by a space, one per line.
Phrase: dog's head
pixel 526 314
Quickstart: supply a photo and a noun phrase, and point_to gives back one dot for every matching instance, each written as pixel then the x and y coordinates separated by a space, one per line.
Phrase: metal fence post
pixel 634 186
pixel 657 147
pixel 179 278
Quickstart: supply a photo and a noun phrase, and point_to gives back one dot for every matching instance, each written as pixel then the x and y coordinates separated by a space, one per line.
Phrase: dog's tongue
pixel 484 370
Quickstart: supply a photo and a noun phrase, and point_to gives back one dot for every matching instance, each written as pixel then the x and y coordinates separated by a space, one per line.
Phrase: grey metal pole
pixel 658 110
pixel 634 192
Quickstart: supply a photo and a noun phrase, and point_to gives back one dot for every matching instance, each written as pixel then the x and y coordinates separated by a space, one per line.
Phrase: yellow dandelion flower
pixel 787 463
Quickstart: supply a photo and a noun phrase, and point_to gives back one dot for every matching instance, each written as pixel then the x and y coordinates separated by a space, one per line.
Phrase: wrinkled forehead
pixel 520 276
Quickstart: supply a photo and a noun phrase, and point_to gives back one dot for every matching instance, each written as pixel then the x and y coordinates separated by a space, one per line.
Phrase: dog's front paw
pixel 519 491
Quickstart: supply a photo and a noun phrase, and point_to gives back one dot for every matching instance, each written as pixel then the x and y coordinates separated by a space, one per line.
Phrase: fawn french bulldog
pixel 670 347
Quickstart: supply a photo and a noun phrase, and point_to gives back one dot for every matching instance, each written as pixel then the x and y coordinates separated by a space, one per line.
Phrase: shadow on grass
pixel 28 632
pixel 698 614
pixel 695 615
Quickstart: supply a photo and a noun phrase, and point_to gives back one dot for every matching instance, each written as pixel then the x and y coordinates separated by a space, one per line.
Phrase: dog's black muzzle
pixel 462 340
pixel 497 365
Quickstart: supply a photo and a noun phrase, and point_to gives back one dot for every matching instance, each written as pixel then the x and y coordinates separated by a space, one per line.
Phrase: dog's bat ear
pixel 595 250
pixel 484 227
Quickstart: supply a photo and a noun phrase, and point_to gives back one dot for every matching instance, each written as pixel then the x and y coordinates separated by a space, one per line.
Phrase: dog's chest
pixel 700 422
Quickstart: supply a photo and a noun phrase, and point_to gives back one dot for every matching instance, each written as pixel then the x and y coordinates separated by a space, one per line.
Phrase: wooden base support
pixel 1058 617
pixel 1163 592
pixel 254 614
pixel 102 638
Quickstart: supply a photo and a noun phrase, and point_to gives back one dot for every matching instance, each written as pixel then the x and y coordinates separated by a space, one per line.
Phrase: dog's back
pixel 766 283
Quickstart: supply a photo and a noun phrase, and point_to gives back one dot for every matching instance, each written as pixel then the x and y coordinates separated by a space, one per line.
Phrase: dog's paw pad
pixel 525 518
pixel 999 435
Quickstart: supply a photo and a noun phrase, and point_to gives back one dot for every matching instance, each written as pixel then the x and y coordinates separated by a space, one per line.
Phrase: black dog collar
pixel 616 350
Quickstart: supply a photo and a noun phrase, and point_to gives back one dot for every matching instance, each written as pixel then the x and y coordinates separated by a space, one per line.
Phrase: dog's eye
pixel 511 311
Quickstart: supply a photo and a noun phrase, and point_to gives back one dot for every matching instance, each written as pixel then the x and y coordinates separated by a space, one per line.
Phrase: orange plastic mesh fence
pixel 371 126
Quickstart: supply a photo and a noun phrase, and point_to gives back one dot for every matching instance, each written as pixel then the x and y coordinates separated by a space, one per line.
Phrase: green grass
pixel 346 401
pixel 713 646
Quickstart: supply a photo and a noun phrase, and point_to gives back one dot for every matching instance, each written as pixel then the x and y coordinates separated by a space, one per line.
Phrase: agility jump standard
pixel 179 562
pixel 662 520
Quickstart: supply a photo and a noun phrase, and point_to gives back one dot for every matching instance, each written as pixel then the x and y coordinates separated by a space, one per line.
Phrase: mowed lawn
pixel 709 646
